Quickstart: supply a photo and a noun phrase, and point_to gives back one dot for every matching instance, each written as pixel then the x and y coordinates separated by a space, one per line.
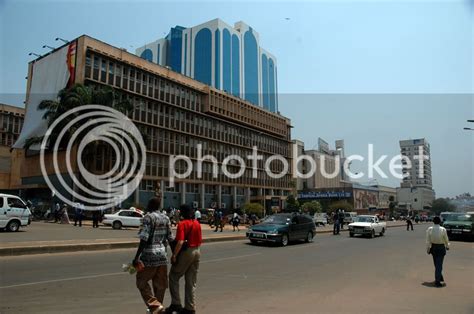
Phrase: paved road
pixel 44 231
pixel 335 274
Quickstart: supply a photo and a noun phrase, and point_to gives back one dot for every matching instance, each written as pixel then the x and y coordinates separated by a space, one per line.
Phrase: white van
pixel 349 217
pixel 13 212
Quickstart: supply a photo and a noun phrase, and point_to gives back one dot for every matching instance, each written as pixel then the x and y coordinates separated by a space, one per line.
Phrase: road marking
pixel 114 274
pixel 60 280
pixel 228 258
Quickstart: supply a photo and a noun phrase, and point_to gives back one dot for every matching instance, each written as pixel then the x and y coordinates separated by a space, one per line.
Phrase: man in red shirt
pixel 185 262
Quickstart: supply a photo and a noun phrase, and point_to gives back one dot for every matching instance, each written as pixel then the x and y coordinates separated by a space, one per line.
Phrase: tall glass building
pixel 227 58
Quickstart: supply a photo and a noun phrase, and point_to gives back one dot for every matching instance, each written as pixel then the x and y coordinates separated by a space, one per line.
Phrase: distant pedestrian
pixel 78 215
pixel 185 262
pixel 57 212
pixel 437 243
pixel 95 218
pixel 218 219
pixel 336 226
pixel 235 221
pixel 64 216
pixel 197 215
pixel 409 223
pixel 253 218
pixel 341 218
pixel 151 255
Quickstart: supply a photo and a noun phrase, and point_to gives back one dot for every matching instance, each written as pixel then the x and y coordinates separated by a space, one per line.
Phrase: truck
pixel 367 225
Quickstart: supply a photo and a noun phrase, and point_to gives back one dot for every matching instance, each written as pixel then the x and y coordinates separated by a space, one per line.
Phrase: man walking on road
pixel 154 236
pixel 437 243
pixel 185 262
pixel 335 229
pixel 409 223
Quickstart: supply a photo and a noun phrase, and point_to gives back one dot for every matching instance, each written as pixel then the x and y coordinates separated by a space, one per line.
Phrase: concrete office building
pixel 225 57
pixel 416 190
pixel 11 123
pixel 176 113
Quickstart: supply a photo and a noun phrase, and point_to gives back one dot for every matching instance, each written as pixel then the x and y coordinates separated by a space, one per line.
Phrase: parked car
pixel 14 213
pixel 320 219
pixel 460 225
pixel 367 225
pixel 349 217
pixel 124 218
pixel 283 228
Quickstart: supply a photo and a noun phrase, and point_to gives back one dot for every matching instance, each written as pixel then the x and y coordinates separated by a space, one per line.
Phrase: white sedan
pixel 124 218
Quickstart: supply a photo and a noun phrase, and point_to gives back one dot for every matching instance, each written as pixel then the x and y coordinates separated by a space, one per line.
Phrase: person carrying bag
pixel 185 261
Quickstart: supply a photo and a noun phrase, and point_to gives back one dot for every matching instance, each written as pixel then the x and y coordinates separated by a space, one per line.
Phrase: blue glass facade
pixel 224 57
pixel 271 84
pixel 265 95
pixel 217 68
pixel 226 61
pixel 203 56
pixel 147 54
pixel 176 47
pixel 235 66
pixel 250 67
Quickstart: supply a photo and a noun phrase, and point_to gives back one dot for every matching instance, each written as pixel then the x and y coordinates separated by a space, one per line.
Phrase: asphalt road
pixel 335 274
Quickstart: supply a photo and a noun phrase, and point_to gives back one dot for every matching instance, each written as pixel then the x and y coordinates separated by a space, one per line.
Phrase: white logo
pixel 91 124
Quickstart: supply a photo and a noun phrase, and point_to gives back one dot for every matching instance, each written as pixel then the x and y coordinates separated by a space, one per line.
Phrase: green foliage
pixel 253 208
pixel 345 205
pixel 292 204
pixel 440 205
pixel 312 207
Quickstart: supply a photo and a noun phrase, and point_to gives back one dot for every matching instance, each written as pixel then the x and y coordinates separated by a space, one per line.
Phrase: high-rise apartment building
pixel 416 190
pixel 225 57
pixel 419 169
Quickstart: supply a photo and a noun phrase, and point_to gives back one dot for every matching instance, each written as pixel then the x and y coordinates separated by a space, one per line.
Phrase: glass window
pixel 95 72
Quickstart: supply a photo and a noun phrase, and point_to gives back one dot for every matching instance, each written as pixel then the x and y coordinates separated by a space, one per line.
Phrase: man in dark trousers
pixel 409 223
pixel 78 214
pixel 151 254
pixel 218 216
pixel 336 226
pixel 437 243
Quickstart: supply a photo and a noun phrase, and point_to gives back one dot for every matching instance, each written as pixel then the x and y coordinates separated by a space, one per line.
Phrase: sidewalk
pixel 121 238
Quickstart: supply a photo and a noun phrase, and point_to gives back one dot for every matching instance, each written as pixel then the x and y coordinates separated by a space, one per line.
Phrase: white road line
pixel 114 274
pixel 228 258
pixel 60 280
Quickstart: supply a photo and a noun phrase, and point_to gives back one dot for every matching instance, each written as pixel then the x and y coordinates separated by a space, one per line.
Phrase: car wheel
pixel 372 234
pixel 382 232
pixel 309 237
pixel 117 225
pixel 351 234
pixel 284 240
pixel 13 226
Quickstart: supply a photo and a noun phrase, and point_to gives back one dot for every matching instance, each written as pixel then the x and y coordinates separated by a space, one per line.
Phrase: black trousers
pixel 438 251
pixel 409 223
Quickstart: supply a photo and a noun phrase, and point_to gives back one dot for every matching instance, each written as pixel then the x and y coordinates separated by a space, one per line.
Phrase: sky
pixel 363 71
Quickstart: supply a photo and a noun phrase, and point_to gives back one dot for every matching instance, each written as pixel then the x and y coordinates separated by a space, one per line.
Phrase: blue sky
pixel 365 71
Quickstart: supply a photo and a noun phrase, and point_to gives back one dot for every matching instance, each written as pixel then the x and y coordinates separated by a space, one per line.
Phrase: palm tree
pixel 69 98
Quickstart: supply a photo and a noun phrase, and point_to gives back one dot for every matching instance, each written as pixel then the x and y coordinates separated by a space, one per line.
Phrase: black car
pixel 282 228
pixel 460 225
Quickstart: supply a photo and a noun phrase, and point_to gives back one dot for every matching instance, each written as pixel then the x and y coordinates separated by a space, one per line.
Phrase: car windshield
pixel 364 219
pixel 276 220
pixel 459 217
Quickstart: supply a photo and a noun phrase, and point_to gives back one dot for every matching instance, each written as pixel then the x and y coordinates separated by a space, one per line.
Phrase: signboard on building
pixel 323 146
pixel 325 194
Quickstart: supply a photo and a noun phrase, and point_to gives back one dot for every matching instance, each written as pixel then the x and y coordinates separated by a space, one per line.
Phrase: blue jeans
pixel 438 251
pixel 336 227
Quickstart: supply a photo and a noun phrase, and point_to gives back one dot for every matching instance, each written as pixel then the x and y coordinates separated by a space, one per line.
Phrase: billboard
pixel 323 146
pixel 48 76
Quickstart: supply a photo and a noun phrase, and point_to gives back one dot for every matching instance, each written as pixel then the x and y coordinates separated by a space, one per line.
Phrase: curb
pixel 63 248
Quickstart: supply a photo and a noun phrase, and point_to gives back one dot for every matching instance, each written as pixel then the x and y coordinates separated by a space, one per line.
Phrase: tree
pixel 72 97
pixel 345 205
pixel 253 208
pixel 440 205
pixel 292 204
pixel 312 207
